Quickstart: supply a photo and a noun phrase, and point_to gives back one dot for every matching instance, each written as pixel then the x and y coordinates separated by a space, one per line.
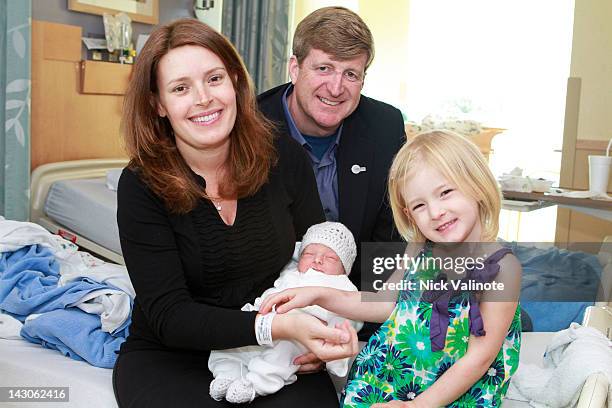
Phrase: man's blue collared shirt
pixel 325 169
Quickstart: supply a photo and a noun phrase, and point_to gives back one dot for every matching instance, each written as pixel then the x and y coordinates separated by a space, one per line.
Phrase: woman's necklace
pixel 216 201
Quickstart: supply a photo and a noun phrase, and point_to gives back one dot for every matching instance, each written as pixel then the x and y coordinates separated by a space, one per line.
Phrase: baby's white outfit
pixel 268 369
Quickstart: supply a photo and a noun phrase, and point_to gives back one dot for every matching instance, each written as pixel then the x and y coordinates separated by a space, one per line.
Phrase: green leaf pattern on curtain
pixel 15 39
pixel 260 31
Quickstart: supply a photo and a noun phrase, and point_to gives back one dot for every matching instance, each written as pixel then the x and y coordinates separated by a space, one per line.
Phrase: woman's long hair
pixel 149 138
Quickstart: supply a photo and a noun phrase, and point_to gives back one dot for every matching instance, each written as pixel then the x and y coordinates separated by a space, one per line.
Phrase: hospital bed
pixel 71 199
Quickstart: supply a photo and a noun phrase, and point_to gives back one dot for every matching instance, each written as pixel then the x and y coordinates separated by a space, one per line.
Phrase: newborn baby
pixel 326 256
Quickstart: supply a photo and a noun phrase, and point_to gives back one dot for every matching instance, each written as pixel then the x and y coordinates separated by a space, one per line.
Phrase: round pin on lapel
pixel 356 169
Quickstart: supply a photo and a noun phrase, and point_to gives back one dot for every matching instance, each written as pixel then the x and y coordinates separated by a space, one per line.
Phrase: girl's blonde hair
pixel 460 161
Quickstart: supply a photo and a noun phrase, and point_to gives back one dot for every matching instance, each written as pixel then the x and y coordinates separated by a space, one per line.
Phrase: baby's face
pixel 321 258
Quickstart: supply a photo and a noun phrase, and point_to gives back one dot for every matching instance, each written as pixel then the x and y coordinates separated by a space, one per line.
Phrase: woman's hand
pixel 328 348
pixel 291 299
pixel 309 362
pixel 326 343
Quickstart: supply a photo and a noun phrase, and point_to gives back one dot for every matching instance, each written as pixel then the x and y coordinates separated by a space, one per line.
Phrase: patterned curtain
pixel 15 39
pixel 260 31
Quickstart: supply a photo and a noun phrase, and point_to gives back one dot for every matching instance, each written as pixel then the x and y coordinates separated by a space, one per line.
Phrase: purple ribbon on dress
pixel 440 300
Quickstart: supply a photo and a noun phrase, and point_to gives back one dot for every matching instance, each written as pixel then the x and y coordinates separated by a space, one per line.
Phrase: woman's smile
pixel 206 119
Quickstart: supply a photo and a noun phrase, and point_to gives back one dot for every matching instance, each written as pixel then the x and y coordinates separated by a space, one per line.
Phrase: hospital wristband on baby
pixel 263 328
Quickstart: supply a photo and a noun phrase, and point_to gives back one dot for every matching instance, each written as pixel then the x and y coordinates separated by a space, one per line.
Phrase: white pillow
pixel 112 178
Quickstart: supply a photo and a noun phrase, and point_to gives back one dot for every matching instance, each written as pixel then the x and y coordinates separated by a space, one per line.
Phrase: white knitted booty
pixel 218 388
pixel 240 391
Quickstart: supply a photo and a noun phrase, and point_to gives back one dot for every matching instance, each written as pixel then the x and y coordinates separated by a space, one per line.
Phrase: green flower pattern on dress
pixel 457 336
pixel 394 366
pixel 414 342
pixel 511 358
pixel 397 362
pixel 424 312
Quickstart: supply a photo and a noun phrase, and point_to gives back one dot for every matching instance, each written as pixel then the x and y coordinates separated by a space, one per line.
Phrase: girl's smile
pixel 441 211
pixel 447 226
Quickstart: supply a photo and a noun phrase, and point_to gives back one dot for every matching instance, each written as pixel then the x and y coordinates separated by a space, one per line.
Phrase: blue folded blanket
pixel 29 285
pixel 75 334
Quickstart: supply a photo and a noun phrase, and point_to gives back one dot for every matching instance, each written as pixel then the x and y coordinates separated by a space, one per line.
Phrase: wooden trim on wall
pixel 584 144
pixel 568 154
pixel 570 131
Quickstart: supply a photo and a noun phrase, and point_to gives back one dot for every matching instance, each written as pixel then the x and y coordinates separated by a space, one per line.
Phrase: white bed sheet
pixel 24 364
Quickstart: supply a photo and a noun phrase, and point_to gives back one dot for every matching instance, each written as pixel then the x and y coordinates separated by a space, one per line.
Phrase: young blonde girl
pixel 435 347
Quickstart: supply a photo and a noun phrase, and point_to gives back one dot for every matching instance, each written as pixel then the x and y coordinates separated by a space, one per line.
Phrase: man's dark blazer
pixel 371 136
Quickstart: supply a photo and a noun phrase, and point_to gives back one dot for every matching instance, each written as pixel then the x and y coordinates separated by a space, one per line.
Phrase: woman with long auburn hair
pixel 209 210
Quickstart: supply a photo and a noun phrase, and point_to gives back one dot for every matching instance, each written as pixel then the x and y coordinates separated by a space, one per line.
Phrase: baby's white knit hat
pixel 335 236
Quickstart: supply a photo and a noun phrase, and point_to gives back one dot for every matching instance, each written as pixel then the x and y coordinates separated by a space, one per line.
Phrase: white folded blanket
pixel 572 356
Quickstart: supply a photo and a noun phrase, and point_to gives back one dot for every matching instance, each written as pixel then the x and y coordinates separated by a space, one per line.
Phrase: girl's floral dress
pixel 399 361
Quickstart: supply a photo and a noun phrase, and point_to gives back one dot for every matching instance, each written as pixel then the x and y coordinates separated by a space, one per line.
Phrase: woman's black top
pixel 192 273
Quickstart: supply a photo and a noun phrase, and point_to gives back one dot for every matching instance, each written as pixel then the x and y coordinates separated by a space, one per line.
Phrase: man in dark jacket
pixel 351 139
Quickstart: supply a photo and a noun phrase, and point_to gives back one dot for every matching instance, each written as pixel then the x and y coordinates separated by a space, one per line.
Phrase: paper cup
pixel 599 173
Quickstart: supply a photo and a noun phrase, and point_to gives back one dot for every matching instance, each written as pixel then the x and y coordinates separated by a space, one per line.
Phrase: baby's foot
pixel 240 391
pixel 218 387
